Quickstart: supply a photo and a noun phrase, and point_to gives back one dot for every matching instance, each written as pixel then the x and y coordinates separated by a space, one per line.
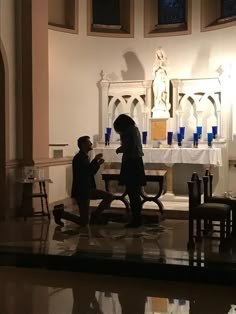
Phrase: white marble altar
pixel 201 155
pixel 194 102
pixel 169 156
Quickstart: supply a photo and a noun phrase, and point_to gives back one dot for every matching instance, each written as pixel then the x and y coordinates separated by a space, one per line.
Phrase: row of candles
pixel 108 136
pixel 196 136
pixel 180 136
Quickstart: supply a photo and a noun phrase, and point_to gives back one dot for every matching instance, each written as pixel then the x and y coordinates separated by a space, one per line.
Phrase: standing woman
pixel 132 173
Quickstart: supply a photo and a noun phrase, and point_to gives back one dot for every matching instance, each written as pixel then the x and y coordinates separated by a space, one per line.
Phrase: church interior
pixel 69 68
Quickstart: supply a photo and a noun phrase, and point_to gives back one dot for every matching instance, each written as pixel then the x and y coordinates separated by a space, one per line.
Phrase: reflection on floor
pixel 153 251
pixel 26 291
pixel 180 204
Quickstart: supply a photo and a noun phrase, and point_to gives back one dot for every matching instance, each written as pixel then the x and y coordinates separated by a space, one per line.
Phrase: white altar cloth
pixel 175 155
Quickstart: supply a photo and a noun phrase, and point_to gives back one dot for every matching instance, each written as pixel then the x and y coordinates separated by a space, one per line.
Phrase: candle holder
pixel 179 139
pixel 144 137
pixel 209 139
pixel 107 139
pixel 199 131
pixel 214 131
pixel 182 131
pixel 195 140
pixel 108 131
pixel 169 138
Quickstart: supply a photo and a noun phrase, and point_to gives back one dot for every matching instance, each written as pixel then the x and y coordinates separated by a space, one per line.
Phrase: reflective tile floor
pixel 152 251
pixel 27 291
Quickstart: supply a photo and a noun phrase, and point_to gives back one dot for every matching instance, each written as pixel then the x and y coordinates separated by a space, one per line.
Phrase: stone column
pixel 3 131
pixel 32 56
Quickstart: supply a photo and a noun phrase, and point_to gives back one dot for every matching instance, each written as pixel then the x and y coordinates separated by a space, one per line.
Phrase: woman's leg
pixel 135 205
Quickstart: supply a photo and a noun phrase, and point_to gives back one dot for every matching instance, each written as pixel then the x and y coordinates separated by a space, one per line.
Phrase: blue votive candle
pixel 108 131
pixel 195 139
pixel 144 137
pixel 209 139
pixel 169 138
pixel 179 139
pixel 214 131
pixel 199 131
pixel 107 139
pixel 182 131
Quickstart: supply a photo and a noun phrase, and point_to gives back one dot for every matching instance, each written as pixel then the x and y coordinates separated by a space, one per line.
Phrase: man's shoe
pixel 57 213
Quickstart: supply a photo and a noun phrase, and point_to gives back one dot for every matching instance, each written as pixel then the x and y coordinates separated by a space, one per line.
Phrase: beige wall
pixel 75 63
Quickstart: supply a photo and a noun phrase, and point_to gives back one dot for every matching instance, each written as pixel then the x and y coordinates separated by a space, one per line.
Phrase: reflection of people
pixel 132 173
pixel 134 305
pixel 85 300
pixel 160 86
pixel 84 186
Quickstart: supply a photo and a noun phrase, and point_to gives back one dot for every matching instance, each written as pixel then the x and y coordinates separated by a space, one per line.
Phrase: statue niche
pixel 160 87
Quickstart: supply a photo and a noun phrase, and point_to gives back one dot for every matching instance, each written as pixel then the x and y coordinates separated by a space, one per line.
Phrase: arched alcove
pixel 3 129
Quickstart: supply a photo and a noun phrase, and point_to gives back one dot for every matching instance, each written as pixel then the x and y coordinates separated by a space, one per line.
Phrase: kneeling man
pixel 84 186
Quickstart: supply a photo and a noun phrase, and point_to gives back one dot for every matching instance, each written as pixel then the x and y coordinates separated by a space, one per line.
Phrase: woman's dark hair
pixel 122 122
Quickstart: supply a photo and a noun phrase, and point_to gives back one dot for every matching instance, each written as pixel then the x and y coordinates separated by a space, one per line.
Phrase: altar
pixel 168 156
pixel 190 103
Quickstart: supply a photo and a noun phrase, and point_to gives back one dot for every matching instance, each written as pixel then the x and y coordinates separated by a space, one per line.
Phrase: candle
pixel 169 138
pixel 195 139
pixel 182 131
pixel 209 139
pixel 179 139
pixel 214 131
pixel 199 131
pixel 144 138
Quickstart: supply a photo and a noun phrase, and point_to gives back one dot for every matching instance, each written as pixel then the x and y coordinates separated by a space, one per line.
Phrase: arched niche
pixel 3 129
pixel 130 97
pixel 197 102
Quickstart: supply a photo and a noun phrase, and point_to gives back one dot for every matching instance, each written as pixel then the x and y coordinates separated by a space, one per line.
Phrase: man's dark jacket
pixel 83 175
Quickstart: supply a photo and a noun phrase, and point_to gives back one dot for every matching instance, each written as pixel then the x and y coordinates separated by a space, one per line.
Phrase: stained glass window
pixel 171 11
pixel 106 12
pixel 228 8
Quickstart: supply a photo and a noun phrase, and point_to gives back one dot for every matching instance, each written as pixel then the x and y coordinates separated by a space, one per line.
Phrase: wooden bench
pixel 151 176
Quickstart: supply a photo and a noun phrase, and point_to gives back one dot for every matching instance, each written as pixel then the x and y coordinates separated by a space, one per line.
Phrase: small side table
pixel 42 194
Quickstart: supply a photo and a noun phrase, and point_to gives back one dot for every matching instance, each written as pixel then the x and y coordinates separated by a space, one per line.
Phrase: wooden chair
pixel 207 212
pixel 210 198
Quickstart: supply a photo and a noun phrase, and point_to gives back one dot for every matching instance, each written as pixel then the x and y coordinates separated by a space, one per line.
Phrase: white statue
pixel 160 87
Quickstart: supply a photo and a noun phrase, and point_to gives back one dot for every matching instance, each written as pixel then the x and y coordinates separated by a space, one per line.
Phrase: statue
pixel 160 87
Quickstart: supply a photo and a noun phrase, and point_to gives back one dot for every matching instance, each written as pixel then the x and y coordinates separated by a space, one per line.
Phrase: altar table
pixel 204 155
pixel 175 155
